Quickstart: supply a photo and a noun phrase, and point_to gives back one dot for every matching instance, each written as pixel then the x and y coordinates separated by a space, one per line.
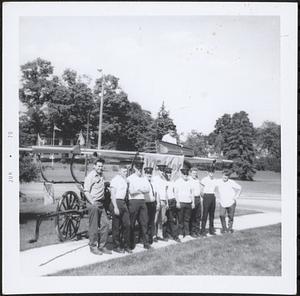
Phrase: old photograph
pixel 151 145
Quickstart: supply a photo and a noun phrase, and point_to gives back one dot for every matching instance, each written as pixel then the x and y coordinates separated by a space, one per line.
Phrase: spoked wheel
pixel 68 219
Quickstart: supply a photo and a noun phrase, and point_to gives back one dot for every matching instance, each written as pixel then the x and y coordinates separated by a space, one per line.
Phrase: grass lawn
pixel 255 252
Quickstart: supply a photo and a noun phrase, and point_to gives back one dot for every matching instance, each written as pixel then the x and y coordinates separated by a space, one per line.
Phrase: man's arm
pixel 176 196
pixel 114 201
pixel 87 188
pixel 238 190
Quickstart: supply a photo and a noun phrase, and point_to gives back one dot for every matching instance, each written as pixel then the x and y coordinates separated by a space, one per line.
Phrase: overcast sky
pixel 200 66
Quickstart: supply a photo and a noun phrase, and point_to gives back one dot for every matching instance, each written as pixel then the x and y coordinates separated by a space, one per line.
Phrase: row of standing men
pixel 164 209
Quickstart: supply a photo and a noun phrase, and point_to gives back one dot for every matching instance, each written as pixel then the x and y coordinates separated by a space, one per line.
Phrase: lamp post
pixel 101 109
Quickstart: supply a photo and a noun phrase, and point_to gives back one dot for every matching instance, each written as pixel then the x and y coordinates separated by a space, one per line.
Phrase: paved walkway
pixel 50 259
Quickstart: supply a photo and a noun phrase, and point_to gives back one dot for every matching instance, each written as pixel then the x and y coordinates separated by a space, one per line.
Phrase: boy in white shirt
pixel 228 192
pixel 120 213
pixel 185 201
pixel 209 184
pixel 196 212
pixel 160 188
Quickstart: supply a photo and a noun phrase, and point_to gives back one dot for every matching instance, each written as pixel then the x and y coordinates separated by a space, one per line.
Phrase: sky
pixel 200 66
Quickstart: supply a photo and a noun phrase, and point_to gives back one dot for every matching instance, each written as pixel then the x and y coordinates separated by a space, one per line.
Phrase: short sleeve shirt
pixel 183 190
pixel 170 189
pixel 195 183
pixel 169 139
pixel 209 185
pixel 94 184
pixel 137 183
pixel 227 192
pixel 160 187
pixel 120 184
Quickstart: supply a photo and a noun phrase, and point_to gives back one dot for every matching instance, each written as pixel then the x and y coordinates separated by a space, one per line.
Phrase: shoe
pixel 147 246
pixel 105 251
pixel 230 230
pixel 159 238
pixel 127 250
pixel 194 235
pixel 165 239
pixel 223 231
pixel 212 233
pixel 95 251
pixel 203 234
pixel 118 250
pixel 155 240
pixel 177 240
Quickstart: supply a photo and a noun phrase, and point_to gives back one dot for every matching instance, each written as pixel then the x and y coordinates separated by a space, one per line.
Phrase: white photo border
pixel 14 282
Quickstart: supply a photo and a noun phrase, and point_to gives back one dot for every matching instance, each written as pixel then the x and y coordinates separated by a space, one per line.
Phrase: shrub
pixel 29 171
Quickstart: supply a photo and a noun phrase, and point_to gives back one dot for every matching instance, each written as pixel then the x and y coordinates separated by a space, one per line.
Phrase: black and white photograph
pixel 146 141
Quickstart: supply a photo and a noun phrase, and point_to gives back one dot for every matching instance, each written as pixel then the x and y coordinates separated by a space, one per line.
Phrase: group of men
pixel 164 208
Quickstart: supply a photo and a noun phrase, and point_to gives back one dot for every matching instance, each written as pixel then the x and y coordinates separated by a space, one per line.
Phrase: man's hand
pixel 193 205
pixel 116 211
pixel 178 205
pixel 157 206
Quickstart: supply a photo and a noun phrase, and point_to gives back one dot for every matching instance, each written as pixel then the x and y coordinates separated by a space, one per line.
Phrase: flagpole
pixel 101 111
pixel 53 136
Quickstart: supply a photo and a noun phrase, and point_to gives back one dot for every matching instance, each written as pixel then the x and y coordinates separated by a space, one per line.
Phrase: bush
pixel 268 164
pixel 29 171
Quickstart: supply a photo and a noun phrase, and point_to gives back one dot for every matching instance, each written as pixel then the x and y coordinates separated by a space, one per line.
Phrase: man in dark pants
pixel 151 204
pixel 209 201
pixel 98 221
pixel 184 196
pixel 196 212
pixel 228 191
pixel 138 187
pixel 120 213
pixel 172 212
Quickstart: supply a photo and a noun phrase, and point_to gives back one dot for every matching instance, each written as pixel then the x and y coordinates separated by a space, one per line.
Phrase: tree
pixel 238 136
pixel 162 122
pixel 198 142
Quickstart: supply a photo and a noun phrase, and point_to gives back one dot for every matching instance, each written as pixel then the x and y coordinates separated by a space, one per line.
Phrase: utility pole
pixel 101 109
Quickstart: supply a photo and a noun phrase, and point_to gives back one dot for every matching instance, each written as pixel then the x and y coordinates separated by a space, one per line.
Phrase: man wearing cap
pixel 209 184
pixel 120 213
pixel 98 221
pixel 184 195
pixel 160 188
pixel 172 212
pixel 138 187
pixel 170 137
pixel 228 191
pixel 151 204
pixel 196 212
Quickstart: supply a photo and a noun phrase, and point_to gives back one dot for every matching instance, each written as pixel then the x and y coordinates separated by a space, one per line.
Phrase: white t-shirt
pixel 120 184
pixel 170 189
pixel 226 192
pixel 183 190
pixel 137 183
pixel 149 196
pixel 169 139
pixel 209 185
pixel 160 187
pixel 195 183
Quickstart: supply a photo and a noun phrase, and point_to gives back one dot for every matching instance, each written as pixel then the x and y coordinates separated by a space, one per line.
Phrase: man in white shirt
pixel 120 213
pixel 160 188
pixel 228 191
pixel 152 205
pixel 209 184
pixel 171 136
pixel 184 196
pixel 138 187
pixel 196 212
pixel 172 212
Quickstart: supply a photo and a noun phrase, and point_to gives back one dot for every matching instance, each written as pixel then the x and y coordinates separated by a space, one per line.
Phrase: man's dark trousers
pixel 98 225
pixel 172 215
pixel 209 206
pixel 121 222
pixel 138 212
pixel 184 217
pixel 151 209
pixel 196 216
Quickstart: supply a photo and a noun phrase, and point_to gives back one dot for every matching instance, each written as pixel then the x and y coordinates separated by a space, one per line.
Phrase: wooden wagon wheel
pixel 67 223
